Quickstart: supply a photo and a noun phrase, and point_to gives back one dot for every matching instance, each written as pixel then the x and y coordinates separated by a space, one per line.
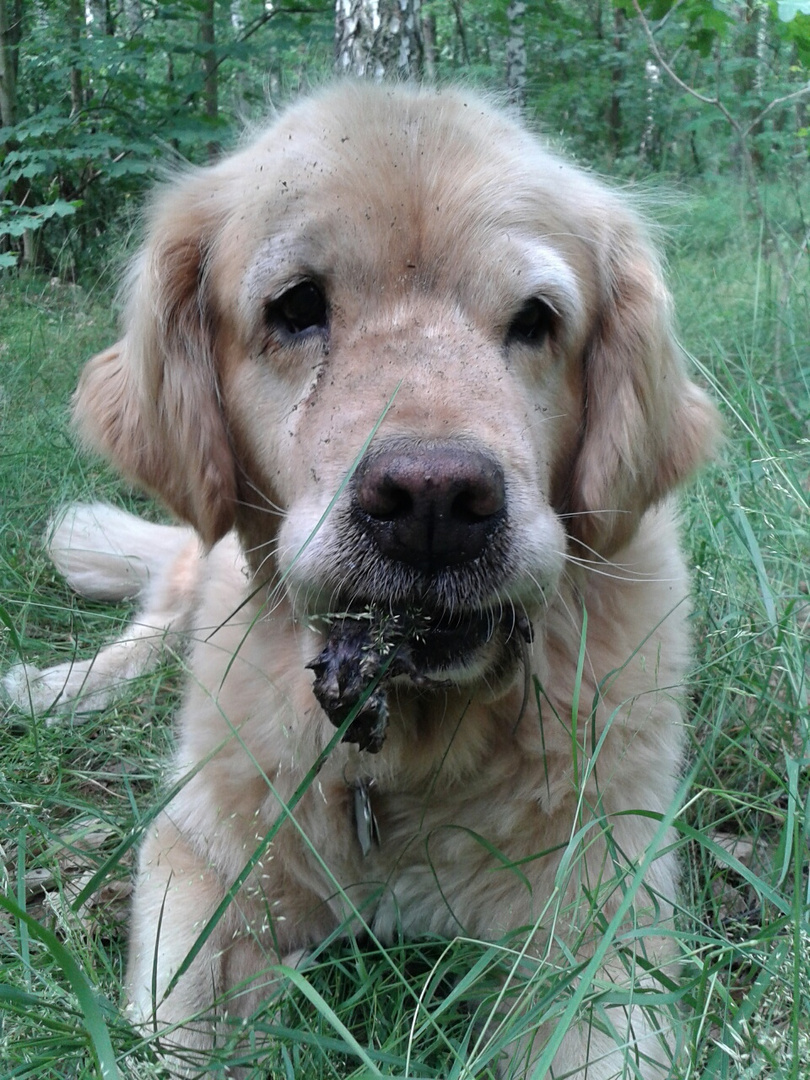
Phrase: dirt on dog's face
pixel 410 357
pixel 417 360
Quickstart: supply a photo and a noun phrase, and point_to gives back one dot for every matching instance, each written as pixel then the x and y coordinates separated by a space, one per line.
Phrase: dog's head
pixel 414 357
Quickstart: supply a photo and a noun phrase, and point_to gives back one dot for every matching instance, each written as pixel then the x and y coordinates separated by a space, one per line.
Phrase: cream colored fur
pixel 108 554
pixel 427 219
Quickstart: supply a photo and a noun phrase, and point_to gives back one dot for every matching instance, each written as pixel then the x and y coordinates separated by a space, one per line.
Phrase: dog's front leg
pixel 224 971
pixel 614 1039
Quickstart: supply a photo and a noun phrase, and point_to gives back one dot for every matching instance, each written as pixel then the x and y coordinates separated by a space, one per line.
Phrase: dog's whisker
pixel 268 503
pixel 271 511
pixel 269 547
pixel 620 572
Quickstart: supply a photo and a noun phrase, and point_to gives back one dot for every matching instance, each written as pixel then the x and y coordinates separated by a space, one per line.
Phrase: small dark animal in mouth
pixel 361 654
pixel 365 651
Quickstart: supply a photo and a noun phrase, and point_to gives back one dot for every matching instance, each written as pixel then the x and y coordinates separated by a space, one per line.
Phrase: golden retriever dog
pixel 411 381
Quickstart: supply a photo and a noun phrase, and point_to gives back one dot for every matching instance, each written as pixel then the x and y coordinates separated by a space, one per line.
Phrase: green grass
pixel 74 799
pixel 748 528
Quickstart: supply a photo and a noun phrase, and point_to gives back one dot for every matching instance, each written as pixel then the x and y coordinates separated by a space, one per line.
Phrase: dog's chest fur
pixel 454 802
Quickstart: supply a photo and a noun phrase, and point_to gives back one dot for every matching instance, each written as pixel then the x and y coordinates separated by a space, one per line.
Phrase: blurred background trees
pixel 97 95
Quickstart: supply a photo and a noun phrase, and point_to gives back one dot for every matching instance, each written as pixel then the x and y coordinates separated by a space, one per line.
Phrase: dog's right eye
pixel 300 310
pixel 533 323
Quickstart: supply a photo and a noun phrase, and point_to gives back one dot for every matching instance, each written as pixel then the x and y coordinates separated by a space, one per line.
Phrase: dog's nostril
pixel 482 498
pixel 430 505
pixel 386 500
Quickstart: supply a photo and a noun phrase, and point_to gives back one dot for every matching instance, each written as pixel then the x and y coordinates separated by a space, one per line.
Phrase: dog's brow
pixel 280 259
pixel 552 277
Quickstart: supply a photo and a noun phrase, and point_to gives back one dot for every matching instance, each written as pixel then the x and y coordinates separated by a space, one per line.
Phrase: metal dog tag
pixel 368 831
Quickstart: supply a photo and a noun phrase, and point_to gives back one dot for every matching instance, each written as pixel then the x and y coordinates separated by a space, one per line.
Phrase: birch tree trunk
pixel 400 37
pixel 133 16
pixel 374 38
pixel 356 25
pixel 652 83
pixel 429 46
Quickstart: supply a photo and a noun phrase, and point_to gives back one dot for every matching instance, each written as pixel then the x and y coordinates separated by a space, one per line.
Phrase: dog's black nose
pixel 430 505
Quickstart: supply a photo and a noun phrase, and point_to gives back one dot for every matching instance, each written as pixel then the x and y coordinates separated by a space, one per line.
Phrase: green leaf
pixel 85 993
pixel 15 220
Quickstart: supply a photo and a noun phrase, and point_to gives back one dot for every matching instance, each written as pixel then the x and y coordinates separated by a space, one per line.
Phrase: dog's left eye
pixel 300 309
pixel 533 323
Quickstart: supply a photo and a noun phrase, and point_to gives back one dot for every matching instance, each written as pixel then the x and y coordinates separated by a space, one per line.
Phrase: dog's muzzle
pixel 422 512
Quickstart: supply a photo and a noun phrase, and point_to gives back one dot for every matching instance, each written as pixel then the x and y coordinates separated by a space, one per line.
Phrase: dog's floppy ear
pixel 150 403
pixel 646 427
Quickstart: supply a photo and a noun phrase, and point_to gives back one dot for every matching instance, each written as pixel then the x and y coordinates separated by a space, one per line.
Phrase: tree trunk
pixel 761 74
pixel 10 34
pixel 616 75
pixel 133 28
pixel 356 25
pixel 429 39
pixel 462 30
pixel 750 76
pixel 516 53
pixel 9 53
pixel 400 37
pixel 76 29
pixel 102 24
pixel 648 147
pixel 210 85
pixel 237 17
pixel 374 38
pixel 133 16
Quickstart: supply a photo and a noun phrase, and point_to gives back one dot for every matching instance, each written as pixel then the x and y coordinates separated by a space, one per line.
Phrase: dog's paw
pixel 27 689
pixel 21 689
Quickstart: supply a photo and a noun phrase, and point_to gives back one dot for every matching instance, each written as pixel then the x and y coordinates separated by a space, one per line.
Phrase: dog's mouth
pixel 440 641
pixel 365 650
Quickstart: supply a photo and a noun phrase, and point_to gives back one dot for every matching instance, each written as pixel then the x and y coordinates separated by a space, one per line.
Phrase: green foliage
pixel 16 219
pixel 102 107
pixel 99 112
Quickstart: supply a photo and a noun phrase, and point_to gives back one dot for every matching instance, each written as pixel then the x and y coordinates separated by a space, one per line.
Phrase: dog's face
pixel 416 359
